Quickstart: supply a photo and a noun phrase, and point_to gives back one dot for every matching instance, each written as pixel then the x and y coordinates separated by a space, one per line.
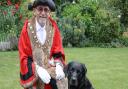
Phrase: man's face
pixel 41 13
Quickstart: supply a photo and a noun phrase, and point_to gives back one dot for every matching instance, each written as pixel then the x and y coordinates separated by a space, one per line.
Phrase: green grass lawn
pixel 106 67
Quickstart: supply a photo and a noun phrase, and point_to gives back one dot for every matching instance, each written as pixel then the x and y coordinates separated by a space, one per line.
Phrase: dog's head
pixel 75 73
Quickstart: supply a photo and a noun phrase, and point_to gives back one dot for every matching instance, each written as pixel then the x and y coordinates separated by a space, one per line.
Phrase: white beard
pixel 42 21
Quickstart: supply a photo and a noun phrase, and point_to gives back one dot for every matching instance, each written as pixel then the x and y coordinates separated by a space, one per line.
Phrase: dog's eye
pixel 72 69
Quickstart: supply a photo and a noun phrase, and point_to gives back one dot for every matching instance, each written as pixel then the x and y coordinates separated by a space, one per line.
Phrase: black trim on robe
pixel 53 83
pixel 57 55
pixel 29 73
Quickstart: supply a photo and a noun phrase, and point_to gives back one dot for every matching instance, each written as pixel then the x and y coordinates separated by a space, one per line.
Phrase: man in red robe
pixel 39 45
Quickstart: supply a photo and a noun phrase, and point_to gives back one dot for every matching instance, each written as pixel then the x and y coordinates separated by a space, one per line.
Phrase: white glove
pixel 43 74
pixel 59 72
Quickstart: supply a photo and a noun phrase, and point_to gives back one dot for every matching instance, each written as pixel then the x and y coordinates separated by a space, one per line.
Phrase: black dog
pixel 76 74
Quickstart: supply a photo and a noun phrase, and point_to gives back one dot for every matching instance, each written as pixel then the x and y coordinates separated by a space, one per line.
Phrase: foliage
pixel 106 26
pixel 86 23
pixel 83 23
pixel 123 41
pixel 7 21
pixel 10 17
pixel 122 6
pixel 10 23
pixel 10 2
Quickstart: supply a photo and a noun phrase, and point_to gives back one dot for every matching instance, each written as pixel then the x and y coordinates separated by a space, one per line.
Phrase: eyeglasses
pixel 40 9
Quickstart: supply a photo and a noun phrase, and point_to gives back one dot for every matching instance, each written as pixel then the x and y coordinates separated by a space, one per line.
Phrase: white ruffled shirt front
pixel 41 33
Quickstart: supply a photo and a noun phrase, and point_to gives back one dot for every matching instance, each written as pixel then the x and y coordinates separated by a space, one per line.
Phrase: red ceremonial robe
pixel 27 68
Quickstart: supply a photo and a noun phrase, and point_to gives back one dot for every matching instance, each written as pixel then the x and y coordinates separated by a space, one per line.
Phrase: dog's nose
pixel 74 78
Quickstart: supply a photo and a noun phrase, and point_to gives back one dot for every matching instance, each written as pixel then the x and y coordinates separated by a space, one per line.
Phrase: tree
pixel 61 4
pixel 89 21
pixel 121 5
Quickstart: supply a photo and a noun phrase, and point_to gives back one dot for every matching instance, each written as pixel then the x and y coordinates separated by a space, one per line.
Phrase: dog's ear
pixel 66 70
pixel 84 69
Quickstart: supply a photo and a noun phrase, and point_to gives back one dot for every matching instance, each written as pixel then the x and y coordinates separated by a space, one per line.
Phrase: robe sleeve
pixel 57 51
pixel 27 77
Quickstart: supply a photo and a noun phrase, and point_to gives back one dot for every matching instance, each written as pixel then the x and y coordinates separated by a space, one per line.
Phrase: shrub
pixel 10 22
pixel 87 24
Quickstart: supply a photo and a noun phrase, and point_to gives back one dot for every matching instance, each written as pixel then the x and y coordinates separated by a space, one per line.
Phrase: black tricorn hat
pixel 49 3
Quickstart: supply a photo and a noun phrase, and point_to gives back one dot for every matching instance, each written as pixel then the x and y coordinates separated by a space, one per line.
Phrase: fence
pixel 8 42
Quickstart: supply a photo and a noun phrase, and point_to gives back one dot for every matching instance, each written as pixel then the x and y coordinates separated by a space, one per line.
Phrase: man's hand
pixel 43 74
pixel 59 71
